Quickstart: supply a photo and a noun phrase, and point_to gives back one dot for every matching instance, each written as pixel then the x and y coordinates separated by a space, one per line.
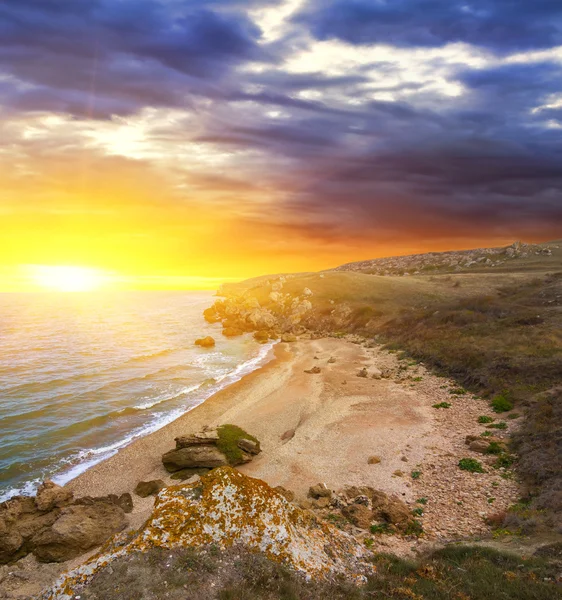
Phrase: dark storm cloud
pixel 346 163
pixel 504 25
pixel 128 53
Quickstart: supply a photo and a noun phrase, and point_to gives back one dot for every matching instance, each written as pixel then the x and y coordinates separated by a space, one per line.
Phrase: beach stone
pixel 313 371
pixel 50 495
pixel 211 315
pixel 287 494
pixel 262 336
pixel 249 446
pixel 194 456
pixel 319 491
pixel 374 460
pixel 321 503
pixel 289 338
pixel 78 529
pixel 363 373
pixel 206 342
pixel 331 360
pixel 232 332
pixel 145 489
pixel 359 515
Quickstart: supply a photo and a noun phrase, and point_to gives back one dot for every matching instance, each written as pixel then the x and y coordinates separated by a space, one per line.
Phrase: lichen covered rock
pixel 226 508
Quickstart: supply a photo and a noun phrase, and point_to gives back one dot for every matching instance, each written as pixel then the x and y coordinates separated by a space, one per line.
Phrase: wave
pixel 79 462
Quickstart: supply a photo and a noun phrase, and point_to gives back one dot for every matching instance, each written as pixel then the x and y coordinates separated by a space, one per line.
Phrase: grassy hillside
pixel 496 330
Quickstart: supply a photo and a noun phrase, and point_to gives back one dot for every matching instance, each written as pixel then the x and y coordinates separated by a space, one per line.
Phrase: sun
pixel 68 279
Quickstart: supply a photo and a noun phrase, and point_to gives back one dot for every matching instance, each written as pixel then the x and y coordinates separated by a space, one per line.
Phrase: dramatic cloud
pixel 317 129
pixel 505 25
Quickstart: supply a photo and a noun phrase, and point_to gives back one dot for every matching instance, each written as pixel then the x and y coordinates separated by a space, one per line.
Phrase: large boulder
pixel 57 533
pixel 232 332
pixel 50 495
pixel 76 530
pixel 206 342
pixel 227 509
pixel 211 315
pixel 212 448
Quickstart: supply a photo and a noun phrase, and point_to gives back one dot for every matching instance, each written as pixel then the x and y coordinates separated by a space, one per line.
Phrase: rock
pixel 398 473
pixel 206 342
pixel 321 503
pixel 211 315
pixel 232 332
pixel 125 501
pixel 359 515
pixel 374 460
pixel 363 373
pixel 145 489
pixel 314 371
pixel 287 494
pixel 194 456
pixel 331 360
pixel 481 445
pixel 187 474
pixel 307 293
pixel 50 495
pixel 77 529
pixel 262 336
pixel 249 446
pixel 227 509
pixel 289 338
pixel 204 438
pixel 319 491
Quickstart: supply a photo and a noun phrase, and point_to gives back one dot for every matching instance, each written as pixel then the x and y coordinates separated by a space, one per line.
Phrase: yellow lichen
pixel 227 508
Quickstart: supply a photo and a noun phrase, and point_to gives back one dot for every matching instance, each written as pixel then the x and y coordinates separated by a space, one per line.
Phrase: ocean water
pixel 82 375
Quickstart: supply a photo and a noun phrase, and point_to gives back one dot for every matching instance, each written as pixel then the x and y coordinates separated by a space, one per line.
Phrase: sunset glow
pixel 316 133
pixel 67 279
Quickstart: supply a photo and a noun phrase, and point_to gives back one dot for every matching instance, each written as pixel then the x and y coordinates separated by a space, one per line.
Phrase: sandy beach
pixel 324 428
pixel 313 428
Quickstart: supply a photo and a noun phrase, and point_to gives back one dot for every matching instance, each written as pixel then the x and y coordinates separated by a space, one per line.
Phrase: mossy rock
pixel 230 439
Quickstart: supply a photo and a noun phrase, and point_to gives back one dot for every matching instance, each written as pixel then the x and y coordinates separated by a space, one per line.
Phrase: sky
pixel 180 143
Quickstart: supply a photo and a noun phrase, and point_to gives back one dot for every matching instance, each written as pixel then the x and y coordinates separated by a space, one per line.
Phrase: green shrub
pixel 442 405
pixel 458 391
pixel 380 529
pixel 418 512
pixel 414 528
pixel 422 501
pixel 504 461
pixel 416 474
pixel 485 419
pixel 486 434
pixel 494 448
pixel 471 465
pixel 501 403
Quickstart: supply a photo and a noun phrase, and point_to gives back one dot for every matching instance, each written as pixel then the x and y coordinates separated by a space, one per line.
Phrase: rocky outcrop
pixel 212 448
pixel 277 315
pixel 206 342
pixel 225 509
pixel 454 261
pixel 77 529
pixel 56 528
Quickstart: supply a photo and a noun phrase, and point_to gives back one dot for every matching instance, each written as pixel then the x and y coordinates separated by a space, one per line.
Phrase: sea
pixel 84 374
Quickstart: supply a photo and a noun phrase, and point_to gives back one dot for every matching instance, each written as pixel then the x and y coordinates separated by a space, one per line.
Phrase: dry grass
pixel 455 572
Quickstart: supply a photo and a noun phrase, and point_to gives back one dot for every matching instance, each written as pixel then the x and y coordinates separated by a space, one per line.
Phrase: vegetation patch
pixel 442 405
pixel 229 436
pixel 501 403
pixel 483 419
pixel 471 465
